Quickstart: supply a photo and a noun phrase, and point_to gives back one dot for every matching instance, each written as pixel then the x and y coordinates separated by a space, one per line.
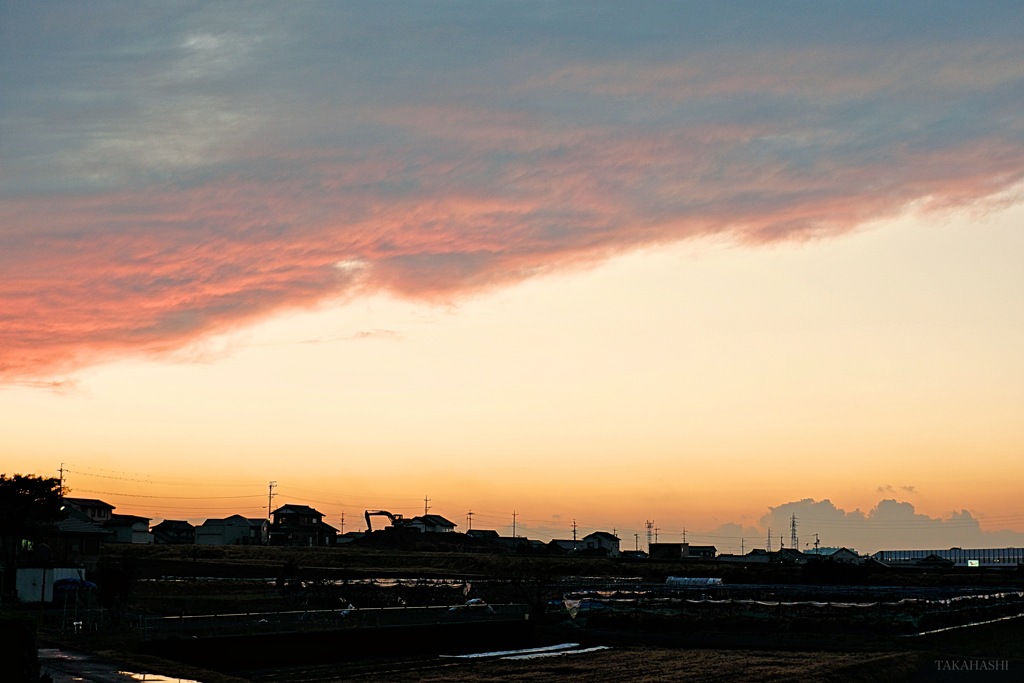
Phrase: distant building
pixel 233 530
pixel 755 556
pixel 96 510
pixel 565 545
pixel 842 555
pixel 348 537
pixel 483 534
pixel 665 551
pixel 301 525
pixel 632 555
pixel 77 539
pixel 431 523
pixel 701 552
pixel 174 531
pixel 603 542
pixel 128 529
pixel 960 557
pixel 788 556
pixel 682 551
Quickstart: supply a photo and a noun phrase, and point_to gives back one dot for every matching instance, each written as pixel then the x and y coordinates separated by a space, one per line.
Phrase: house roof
pixel 828 552
pixel 483 533
pixel 233 520
pixel 77 522
pixel 174 524
pixel 117 520
pixel 88 502
pixel 604 535
pixel 297 509
pixel 433 520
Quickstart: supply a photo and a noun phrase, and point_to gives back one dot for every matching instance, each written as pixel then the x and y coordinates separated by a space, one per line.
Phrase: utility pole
pixel 60 485
pixel 469 515
pixel 794 541
pixel 743 549
pixel 769 548
pixel 656 530
pixel 816 544
pixel 574 533
pixel 342 521
pixel 636 542
pixel 514 515
pixel 650 528
pixel 425 504
pixel 270 497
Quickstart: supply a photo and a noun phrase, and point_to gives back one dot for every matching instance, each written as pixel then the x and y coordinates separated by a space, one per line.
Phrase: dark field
pixel 651 636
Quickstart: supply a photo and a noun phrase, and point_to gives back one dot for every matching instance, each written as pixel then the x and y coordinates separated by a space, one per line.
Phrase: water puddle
pixel 154 678
pixel 533 652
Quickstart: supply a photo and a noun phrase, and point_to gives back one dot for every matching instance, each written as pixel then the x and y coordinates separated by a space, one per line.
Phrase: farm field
pixel 673 636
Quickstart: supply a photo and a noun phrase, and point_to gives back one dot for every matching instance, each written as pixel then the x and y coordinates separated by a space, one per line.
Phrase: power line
pixel 144 479
pixel 140 495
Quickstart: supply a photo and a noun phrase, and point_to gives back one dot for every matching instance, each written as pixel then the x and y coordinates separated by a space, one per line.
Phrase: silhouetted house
pixel 565 545
pixel 602 542
pixel 841 555
pixel 96 510
pixel 431 523
pixel 701 552
pixel 233 530
pixel 483 534
pixel 348 537
pixel 174 531
pixel 755 556
pixel 632 555
pixel 788 556
pixel 665 551
pixel 871 563
pixel 934 562
pixel 128 529
pixel 77 539
pixel 301 525
pixel 521 544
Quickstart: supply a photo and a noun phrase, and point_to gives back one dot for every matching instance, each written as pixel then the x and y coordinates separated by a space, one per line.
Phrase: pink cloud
pixel 470 183
pixel 146 272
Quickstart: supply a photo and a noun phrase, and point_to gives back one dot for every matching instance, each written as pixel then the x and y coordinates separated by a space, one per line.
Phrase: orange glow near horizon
pixel 663 402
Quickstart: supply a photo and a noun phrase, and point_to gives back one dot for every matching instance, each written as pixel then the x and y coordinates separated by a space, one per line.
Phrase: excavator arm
pixel 396 520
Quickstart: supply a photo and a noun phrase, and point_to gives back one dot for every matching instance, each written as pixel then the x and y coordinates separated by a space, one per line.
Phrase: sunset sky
pixel 709 265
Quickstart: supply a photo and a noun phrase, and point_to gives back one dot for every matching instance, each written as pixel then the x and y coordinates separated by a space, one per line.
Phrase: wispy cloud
pixel 200 170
